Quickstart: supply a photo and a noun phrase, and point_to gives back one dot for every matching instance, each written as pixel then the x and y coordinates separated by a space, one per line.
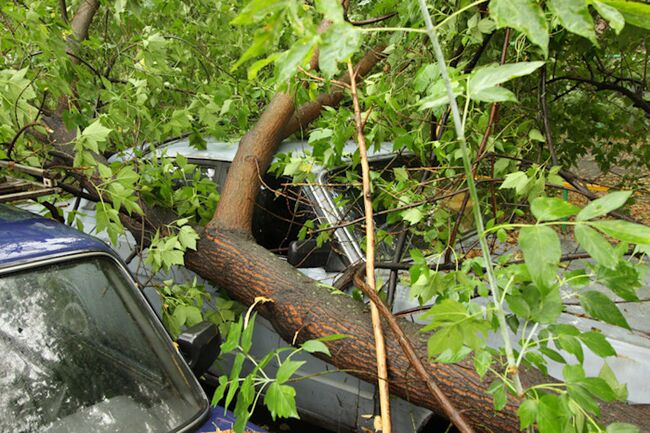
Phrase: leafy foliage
pixel 154 70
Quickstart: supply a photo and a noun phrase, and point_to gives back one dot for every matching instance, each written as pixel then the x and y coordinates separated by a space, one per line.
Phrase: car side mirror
pixel 307 254
pixel 200 346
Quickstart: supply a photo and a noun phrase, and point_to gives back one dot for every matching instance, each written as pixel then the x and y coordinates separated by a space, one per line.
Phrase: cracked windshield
pixel 76 357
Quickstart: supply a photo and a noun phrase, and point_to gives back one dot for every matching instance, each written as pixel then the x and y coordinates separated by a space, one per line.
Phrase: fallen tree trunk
pixel 301 307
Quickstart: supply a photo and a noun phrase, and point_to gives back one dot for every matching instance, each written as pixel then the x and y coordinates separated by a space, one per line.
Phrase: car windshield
pixel 81 353
pixel 345 188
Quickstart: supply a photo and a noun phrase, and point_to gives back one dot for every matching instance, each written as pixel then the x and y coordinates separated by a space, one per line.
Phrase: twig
pixel 548 135
pixel 448 408
pixel 64 11
pixel 494 110
pixel 437 129
pixel 382 369
pixel 373 20
pixel 471 184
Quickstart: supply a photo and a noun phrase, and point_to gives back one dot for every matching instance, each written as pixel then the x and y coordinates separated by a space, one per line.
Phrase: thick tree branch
pixel 309 111
pixel 254 154
pixel 83 18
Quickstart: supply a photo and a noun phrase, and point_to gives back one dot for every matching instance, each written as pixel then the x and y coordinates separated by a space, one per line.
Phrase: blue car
pixel 81 348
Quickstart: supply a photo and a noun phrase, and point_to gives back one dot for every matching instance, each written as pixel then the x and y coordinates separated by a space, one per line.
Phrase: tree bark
pixel 252 159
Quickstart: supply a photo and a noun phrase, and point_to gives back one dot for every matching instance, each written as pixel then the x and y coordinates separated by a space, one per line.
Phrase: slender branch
pixel 448 408
pixel 637 100
pixel 382 369
pixel 437 129
pixel 373 20
pixel 479 154
pixel 460 133
pixel 548 135
pixel 64 11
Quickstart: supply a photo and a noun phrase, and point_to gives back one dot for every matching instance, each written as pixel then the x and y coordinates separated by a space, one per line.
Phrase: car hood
pixel 223 420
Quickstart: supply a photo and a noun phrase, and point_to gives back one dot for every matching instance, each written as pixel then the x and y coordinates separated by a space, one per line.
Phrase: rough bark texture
pixel 83 18
pixel 301 307
pixel 252 160
pixel 311 110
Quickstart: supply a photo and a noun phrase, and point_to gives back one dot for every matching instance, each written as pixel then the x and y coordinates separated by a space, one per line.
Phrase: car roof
pixel 218 150
pixel 26 237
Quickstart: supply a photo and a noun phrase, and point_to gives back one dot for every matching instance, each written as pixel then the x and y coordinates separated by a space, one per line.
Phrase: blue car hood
pixel 223 420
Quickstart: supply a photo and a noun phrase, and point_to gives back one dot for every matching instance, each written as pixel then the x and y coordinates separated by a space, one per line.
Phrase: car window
pixel 281 208
pixel 345 187
pixel 81 354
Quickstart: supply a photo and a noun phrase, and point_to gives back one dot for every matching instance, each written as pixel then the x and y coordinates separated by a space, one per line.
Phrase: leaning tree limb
pixel 380 350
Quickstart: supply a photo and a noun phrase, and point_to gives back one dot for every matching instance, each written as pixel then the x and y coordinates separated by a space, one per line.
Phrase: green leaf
pixel 536 135
pixel 287 369
pixel 598 344
pixel 622 427
pixel 635 13
pixel 549 414
pixel 338 44
pixel 487 77
pixel 599 388
pixel 604 205
pixel 542 252
pixel 232 341
pixel 412 215
pixel 495 94
pixel 257 10
pixel 221 389
pixel 104 171
pixel 552 355
pixel 94 134
pixel 287 64
pixel 332 10
pixel 577 278
pixel 625 231
pixel 611 14
pixel 550 208
pixel 571 345
pixel 517 180
pixel 525 16
pixel 574 16
pixel 188 237
pixel 257 66
pixel 600 307
pixel 281 401
pixel 527 413
pixel 608 376
pixel 315 346
pixel 234 377
pixel 482 362
pixel 622 280
pixel 596 245
pixel 498 391
pixel 247 334
pixel 193 315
